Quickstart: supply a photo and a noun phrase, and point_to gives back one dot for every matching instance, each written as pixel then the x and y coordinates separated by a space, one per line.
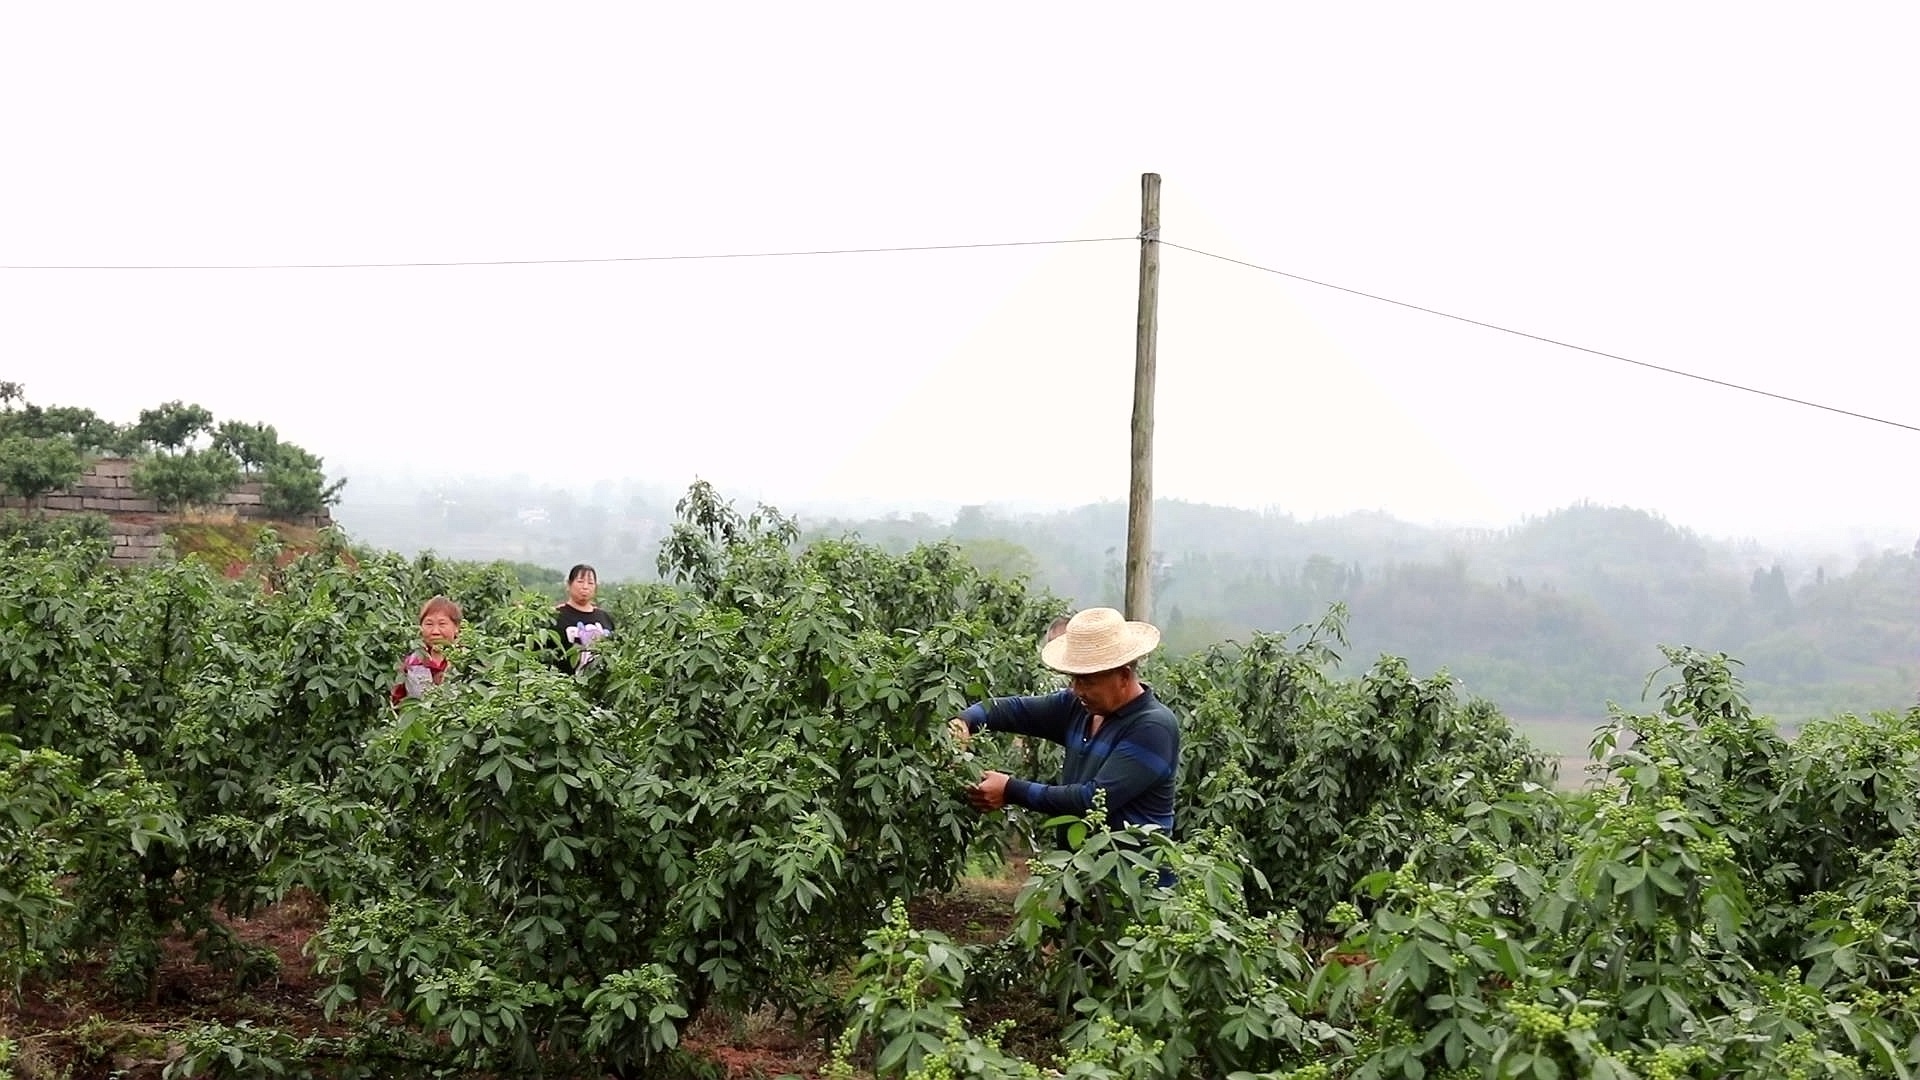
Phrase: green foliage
pixel 173 426
pixel 253 445
pixel 1725 903
pixel 40 788
pixel 188 478
pixel 198 712
pixel 535 867
pixel 294 484
pixel 104 833
pixel 1329 779
pixel 707 818
pixel 83 535
pixel 544 580
pixel 375 1050
pixel 32 467
pixel 528 871
pixel 1162 981
pixel 906 994
pixel 1667 930
pixel 183 460
pixel 42 450
pixel 87 432
pixel 1551 618
pixel 1188 967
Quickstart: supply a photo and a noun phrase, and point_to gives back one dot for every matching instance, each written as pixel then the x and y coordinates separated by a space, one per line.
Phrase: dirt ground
pixel 77 1029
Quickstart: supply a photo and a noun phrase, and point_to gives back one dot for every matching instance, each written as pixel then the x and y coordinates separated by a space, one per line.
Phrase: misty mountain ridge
pixel 1550 617
pixel 387 485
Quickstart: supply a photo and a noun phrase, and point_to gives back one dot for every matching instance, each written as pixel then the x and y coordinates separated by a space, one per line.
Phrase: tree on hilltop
pixel 186 478
pixel 173 426
pixel 175 472
pixel 35 459
pixel 254 445
pixel 34 468
pixel 295 485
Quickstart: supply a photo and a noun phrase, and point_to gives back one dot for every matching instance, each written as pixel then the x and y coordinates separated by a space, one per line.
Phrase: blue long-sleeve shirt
pixel 1134 757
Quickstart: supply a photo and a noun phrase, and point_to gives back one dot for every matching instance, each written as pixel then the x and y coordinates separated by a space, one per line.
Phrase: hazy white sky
pixel 1726 188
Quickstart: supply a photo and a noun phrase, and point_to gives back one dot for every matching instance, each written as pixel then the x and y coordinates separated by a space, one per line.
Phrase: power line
pixel 999 244
pixel 611 259
pixel 1552 341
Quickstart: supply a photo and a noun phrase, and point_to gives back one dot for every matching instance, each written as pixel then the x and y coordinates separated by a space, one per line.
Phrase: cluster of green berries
pixel 1667 1063
pixel 1536 1021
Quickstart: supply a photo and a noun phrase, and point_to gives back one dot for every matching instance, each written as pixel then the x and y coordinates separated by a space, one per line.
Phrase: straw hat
pixel 1099 639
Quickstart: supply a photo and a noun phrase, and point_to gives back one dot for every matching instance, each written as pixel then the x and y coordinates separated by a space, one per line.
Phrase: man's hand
pixel 990 793
pixel 960 730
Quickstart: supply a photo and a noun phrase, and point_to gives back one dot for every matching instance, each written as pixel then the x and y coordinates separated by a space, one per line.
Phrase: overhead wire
pixel 1551 341
pixel 1724 383
pixel 607 259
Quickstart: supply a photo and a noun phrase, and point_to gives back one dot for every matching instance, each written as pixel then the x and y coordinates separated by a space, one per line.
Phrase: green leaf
pixel 1627 878
pixel 1665 882
pixel 895 1054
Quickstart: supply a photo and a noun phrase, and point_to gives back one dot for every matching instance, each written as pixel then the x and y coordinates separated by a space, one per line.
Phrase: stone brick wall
pixel 139 526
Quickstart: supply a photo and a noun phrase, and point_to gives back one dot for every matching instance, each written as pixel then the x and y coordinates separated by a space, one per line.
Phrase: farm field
pixel 737 845
pixel 78 1030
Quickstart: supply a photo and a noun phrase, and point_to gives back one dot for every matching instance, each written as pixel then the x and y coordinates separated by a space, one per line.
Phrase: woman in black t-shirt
pixel 580 622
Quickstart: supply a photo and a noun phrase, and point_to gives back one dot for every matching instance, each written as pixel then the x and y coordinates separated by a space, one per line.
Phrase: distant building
pixel 533 517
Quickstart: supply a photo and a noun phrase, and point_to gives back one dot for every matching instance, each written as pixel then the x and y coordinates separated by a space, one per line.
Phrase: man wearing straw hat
pixel 1118 736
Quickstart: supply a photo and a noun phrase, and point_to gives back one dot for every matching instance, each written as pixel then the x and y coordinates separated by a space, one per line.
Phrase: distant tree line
pixel 182 458
pixel 1551 618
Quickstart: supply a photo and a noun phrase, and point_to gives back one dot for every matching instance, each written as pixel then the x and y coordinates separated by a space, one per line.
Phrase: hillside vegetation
pixel 737 809
pixel 182 459
pixel 1552 618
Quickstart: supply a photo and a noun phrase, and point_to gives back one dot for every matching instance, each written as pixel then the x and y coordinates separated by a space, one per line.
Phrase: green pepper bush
pixel 529 869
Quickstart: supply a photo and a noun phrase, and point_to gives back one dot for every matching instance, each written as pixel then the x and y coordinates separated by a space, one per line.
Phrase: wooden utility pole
pixel 1140 491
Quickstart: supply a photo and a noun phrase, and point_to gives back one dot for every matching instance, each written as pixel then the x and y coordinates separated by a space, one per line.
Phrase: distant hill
pixel 1550 618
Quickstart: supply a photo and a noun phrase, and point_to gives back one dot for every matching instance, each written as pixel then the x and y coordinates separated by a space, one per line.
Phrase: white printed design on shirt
pixel 584 634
